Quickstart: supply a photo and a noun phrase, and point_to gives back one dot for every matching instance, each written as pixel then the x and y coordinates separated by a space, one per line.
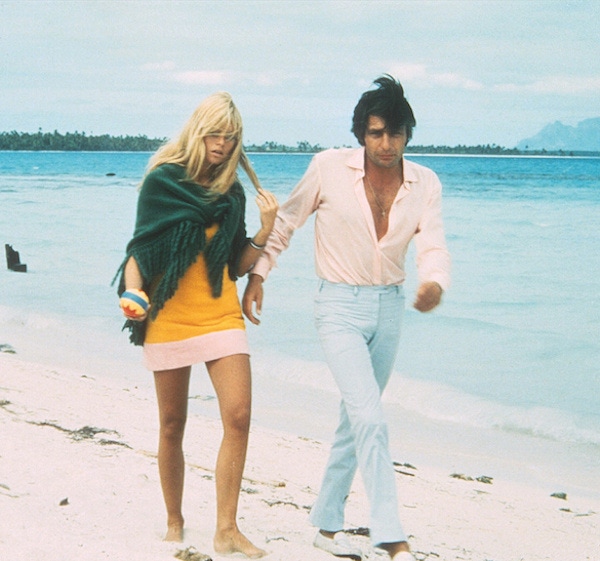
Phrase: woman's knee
pixel 237 419
pixel 172 426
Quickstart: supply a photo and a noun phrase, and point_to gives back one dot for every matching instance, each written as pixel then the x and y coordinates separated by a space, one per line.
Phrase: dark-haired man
pixel 370 203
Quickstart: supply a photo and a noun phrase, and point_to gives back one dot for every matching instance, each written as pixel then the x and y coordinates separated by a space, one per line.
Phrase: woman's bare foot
pixel 236 542
pixel 174 532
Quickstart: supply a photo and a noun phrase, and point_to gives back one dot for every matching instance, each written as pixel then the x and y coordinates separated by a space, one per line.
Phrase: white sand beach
pixel 79 481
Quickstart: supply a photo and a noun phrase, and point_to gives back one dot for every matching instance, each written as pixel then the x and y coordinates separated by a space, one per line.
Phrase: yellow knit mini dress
pixel 193 326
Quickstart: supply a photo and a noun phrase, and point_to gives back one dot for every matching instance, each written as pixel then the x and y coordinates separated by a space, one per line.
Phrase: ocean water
pixel 513 352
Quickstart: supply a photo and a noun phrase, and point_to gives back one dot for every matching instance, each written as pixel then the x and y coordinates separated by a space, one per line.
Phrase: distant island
pixel 82 142
pixel 585 136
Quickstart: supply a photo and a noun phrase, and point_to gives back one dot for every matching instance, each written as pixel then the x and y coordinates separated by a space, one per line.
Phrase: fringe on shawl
pixel 173 254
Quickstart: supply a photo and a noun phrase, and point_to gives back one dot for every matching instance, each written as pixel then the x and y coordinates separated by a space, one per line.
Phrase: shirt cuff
pixel 261 268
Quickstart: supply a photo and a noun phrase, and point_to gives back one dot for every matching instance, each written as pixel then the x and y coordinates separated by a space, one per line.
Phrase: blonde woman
pixel 188 248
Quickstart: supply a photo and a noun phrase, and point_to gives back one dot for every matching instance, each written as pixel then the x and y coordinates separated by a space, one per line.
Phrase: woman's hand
pixel 253 298
pixel 135 304
pixel 268 207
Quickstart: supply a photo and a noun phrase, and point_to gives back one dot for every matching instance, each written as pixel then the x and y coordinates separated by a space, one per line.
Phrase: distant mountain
pixel 585 137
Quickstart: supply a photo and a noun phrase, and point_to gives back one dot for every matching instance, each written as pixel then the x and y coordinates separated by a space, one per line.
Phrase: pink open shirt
pixel 346 245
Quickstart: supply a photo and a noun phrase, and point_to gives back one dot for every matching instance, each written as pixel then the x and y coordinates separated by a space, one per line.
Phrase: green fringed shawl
pixel 170 233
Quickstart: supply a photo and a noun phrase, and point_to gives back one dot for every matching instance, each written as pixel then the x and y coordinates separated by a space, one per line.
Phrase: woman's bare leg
pixel 231 379
pixel 172 388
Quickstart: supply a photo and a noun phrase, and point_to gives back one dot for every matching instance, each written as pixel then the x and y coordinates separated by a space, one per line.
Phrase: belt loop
pixel 355 290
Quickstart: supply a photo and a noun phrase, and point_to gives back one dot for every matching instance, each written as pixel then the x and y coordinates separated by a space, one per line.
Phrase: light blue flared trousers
pixel 359 328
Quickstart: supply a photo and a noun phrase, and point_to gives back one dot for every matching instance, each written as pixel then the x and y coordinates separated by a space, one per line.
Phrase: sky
pixel 474 71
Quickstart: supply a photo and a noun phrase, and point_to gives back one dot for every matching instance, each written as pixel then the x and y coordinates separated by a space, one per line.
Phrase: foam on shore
pixel 79 479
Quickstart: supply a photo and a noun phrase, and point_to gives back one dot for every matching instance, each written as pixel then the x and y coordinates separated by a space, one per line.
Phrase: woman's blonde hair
pixel 217 114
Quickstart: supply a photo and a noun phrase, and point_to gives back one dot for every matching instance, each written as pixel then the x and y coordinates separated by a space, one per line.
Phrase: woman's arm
pixel 134 283
pixel 268 206
pixel 132 276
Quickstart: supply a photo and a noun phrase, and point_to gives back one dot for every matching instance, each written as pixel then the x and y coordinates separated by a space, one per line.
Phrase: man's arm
pixel 302 202
pixel 292 214
pixel 433 259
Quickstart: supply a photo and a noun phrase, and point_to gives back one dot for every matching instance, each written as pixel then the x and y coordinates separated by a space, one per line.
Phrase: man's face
pixel 384 148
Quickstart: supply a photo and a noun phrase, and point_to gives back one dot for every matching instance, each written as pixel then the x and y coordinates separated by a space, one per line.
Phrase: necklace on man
pixel 381 207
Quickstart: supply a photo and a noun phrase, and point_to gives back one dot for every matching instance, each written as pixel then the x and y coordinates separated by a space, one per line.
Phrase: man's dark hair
pixel 386 102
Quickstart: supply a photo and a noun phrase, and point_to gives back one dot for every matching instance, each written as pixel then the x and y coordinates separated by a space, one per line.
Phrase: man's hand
pixel 253 295
pixel 428 297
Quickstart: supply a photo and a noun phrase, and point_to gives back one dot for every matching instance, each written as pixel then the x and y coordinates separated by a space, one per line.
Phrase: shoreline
pixel 296 394
pixel 78 475
pixel 565 154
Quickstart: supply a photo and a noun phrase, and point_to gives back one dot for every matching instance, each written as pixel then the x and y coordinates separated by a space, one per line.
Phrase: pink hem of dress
pixel 203 348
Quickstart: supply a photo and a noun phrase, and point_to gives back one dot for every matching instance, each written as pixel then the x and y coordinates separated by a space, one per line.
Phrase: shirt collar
pixel 356 160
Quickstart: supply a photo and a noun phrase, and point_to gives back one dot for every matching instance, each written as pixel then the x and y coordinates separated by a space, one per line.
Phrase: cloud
pixel 220 77
pixel 166 65
pixel 420 75
pixel 559 85
pixel 202 77
pixel 262 79
pixel 457 81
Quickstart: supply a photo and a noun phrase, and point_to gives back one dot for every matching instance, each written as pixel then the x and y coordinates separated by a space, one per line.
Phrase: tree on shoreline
pixel 303 147
pixel 81 142
pixel 77 142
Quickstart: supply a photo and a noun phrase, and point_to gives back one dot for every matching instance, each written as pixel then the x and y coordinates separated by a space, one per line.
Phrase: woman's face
pixel 219 147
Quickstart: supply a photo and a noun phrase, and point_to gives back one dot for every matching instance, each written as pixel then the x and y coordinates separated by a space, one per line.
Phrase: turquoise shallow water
pixel 515 346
